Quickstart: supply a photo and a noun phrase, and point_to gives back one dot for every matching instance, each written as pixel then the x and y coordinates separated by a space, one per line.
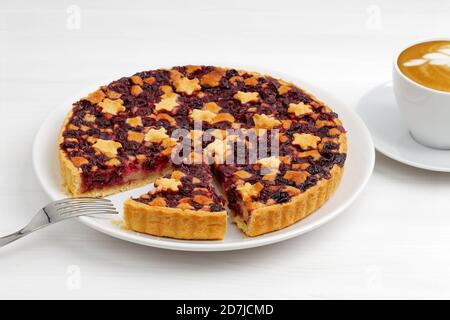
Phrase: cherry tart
pixel 130 133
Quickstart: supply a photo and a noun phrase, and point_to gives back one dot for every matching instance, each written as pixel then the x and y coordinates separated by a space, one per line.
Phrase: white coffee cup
pixel 426 111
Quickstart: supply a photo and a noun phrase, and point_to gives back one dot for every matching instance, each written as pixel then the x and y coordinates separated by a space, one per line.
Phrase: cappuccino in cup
pixel 421 79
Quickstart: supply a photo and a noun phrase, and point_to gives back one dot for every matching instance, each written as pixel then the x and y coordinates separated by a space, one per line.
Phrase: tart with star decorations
pixel 126 134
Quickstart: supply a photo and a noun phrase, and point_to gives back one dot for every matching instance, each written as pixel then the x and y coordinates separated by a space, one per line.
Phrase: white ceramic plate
pixel 359 166
pixel 378 109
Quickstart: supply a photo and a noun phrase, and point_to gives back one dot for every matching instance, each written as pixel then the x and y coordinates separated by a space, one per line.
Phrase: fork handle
pixel 12 237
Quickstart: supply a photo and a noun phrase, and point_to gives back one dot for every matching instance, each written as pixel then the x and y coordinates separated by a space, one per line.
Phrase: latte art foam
pixel 428 64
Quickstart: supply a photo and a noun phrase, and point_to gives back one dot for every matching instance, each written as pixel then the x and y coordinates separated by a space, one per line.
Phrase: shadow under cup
pixel 426 111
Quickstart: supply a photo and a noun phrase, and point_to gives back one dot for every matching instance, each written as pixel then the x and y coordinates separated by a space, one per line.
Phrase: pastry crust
pixel 279 216
pixel 70 174
pixel 174 222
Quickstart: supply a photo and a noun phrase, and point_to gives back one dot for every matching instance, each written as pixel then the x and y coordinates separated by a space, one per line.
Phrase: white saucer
pixel 359 166
pixel 378 109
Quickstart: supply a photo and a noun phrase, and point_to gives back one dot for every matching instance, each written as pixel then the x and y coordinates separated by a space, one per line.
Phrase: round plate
pixel 378 109
pixel 358 168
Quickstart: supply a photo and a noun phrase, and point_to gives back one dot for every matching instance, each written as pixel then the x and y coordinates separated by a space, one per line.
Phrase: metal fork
pixel 62 210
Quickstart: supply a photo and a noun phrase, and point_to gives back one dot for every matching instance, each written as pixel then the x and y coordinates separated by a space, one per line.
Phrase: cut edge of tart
pixel 72 179
pixel 72 183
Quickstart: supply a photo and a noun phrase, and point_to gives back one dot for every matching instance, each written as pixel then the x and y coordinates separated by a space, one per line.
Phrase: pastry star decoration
pixel 135 122
pixel 217 150
pixel 203 115
pixel 168 100
pixel 248 190
pixel 269 165
pixel 96 96
pixel 156 135
pixel 211 106
pixel 212 79
pixel 306 140
pixel 186 85
pixel 135 136
pixel 296 176
pixel 263 121
pixel 107 147
pixel 245 97
pixel 299 109
pixel 165 184
pixel 112 106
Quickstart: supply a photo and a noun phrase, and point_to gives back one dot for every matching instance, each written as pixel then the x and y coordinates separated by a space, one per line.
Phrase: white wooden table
pixel 393 242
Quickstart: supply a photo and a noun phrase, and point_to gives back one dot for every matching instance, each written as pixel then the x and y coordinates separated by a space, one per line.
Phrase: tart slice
pixel 183 205
pixel 278 190
pixel 261 205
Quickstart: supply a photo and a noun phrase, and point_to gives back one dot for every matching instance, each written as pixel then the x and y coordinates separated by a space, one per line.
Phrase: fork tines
pixel 84 206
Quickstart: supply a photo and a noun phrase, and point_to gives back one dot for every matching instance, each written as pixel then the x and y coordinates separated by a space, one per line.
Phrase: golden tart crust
pixel 298 178
pixel 174 222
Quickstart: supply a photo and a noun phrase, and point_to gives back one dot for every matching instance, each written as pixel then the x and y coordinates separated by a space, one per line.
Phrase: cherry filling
pixel 107 177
